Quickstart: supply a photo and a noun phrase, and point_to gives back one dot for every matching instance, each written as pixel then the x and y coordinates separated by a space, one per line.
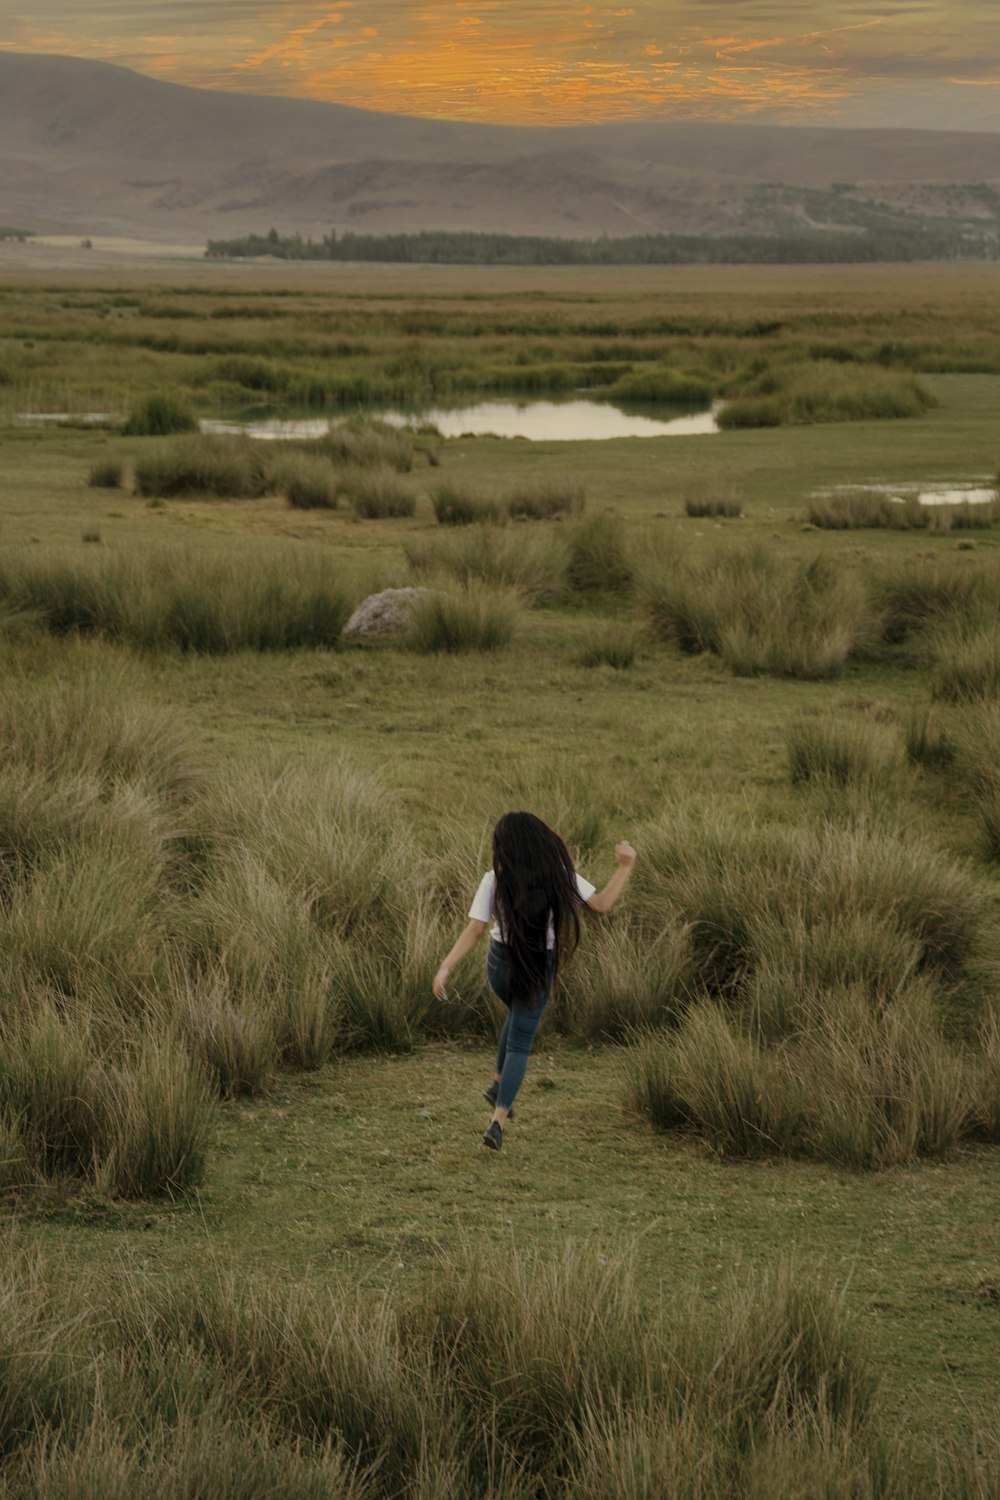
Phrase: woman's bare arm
pixel 603 900
pixel 464 945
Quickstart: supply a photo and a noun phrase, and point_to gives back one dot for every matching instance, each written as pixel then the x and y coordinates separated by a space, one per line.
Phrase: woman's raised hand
pixel 625 854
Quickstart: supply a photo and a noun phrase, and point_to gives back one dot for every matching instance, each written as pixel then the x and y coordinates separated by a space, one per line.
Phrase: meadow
pixel 742 1237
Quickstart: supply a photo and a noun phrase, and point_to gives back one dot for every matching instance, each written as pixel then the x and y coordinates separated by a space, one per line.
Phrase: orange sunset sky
pixel 905 63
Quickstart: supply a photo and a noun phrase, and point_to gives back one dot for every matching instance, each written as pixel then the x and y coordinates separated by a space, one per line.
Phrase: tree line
pixel 447 247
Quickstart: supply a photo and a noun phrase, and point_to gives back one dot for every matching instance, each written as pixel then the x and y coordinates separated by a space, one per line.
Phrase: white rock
pixel 386 613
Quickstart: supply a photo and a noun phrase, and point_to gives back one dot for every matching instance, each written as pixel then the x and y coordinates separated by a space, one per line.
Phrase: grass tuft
pixel 475 619
pixel 824 391
pixel 228 468
pixel 106 474
pixel 376 494
pixel 455 506
pixel 597 559
pixel 544 502
pixel 367 445
pixel 967 662
pixel 159 415
pixel 309 482
pixel 761 613
pixel 843 753
pixel 611 645
pixel 194 601
pixel 533 564
pixel 712 497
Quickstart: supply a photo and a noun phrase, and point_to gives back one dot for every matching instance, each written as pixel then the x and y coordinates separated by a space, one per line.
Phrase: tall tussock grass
pixel 532 564
pixel 311 921
pixel 844 752
pixel 967 662
pixel 626 981
pixel 106 474
pixel 167 927
pixel 611 645
pixel 928 740
pixel 133 1123
pixel 662 384
pixel 308 481
pixel 377 493
pixel 517 1375
pixel 977 756
pixel 910 595
pixel 713 496
pixel 478 618
pixel 824 391
pixel 158 415
pixel 179 598
pixel 455 505
pixel 845 510
pixel 760 612
pixel 804 898
pixel 228 468
pixel 597 555
pixel 544 501
pixel 367 445
pixel 95 804
pixel 835 979
pixel 850 1086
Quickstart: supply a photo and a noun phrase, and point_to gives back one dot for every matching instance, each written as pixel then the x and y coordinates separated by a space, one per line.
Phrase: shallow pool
pixel 534 421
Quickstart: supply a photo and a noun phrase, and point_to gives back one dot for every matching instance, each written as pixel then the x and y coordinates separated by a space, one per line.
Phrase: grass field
pixel 232 853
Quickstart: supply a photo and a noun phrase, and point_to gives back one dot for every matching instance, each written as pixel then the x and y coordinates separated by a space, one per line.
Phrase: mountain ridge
pixel 91 147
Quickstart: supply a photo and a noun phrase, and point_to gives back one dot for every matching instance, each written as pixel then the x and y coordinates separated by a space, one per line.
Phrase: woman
pixel 533 898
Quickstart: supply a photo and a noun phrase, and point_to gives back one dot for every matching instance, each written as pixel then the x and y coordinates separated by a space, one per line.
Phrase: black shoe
pixel 490 1095
pixel 494 1135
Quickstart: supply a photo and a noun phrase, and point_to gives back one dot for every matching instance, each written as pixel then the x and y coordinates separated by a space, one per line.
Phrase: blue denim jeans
pixel 518 1030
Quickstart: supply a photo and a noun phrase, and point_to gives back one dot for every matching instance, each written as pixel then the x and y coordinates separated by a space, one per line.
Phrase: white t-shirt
pixel 483 908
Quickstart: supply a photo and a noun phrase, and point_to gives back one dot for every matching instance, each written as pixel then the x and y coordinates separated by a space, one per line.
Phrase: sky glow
pixel 906 63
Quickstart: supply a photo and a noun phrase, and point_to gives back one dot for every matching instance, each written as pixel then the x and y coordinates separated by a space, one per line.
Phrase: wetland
pixel 236 847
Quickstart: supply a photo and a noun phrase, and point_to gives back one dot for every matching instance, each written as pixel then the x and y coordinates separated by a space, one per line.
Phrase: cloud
pixel 555 60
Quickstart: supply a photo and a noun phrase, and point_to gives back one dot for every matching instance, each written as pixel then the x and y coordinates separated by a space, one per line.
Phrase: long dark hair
pixel 536 886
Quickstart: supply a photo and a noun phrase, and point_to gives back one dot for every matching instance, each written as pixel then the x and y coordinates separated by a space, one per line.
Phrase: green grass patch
pixel 309 482
pixel 475 619
pixel 377 494
pixel 759 611
pixel 544 502
pixel 671 387
pixel 844 752
pixel 226 468
pixel 597 555
pixel 368 445
pixel 159 415
pixel 106 474
pixel 455 505
pixel 612 645
pixel 534 564
pixel 176 597
pixel 824 391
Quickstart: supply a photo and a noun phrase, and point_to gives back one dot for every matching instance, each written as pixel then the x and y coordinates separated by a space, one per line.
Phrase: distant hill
pixel 89 148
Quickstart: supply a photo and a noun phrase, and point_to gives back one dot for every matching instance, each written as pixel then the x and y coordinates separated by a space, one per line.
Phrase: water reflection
pixel 559 421
pixel 66 418
pixel 536 421
pixel 270 429
pixel 942 493
pixel 956 497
